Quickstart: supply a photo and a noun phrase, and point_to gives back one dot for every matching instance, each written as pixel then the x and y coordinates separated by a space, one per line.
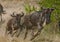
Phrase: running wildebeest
pixel 45 20
pixel 39 19
pixel 14 24
pixel 1 11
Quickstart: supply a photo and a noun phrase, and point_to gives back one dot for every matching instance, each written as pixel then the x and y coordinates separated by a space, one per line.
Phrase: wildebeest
pixel 37 18
pixel 14 24
pixel 45 19
pixel 1 11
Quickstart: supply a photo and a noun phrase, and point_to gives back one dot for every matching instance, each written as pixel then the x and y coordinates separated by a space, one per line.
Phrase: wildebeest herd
pixel 37 18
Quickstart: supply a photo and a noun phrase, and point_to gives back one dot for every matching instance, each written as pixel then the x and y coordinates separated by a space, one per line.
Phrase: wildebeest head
pixel 17 17
pixel 46 15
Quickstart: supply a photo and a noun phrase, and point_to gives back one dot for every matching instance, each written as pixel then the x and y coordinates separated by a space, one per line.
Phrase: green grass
pixel 28 8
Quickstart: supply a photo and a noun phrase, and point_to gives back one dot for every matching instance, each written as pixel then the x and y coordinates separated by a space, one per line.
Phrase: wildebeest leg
pixel 1 17
pixel 14 33
pixel 19 30
pixel 8 32
pixel 39 30
pixel 26 33
pixel 32 32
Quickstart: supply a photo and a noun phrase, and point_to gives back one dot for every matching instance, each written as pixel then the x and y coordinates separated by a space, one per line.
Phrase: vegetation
pixel 29 8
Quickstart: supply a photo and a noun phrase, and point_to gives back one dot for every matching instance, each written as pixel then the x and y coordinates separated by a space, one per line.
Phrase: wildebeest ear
pixel 22 14
pixel 13 15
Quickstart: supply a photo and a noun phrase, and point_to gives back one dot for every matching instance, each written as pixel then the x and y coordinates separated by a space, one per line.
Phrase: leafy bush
pixel 29 8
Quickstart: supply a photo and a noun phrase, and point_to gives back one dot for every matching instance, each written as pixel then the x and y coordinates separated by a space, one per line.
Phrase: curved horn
pixel 13 15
